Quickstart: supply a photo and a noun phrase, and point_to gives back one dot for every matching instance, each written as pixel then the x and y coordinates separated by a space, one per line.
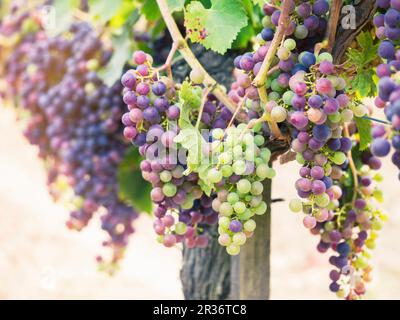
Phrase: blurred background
pixel 42 259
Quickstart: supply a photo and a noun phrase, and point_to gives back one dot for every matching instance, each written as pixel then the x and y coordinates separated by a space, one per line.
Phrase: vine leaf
pixel 364 131
pixel 259 2
pixel 64 17
pixel 190 137
pixel 150 10
pixel 122 52
pixel 133 189
pixel 215 28
pixel 104 10
pixel 175 5
pixel 364 84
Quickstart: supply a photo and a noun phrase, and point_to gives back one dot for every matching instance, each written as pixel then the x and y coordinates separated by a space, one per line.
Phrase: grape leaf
pixel 176 5
pixel 259 2
pixel 63 10
pixel 104 10
pixel 363 84
pixel 217 27
pixel 122 52
pixel 189 136
pixel 133 189
pixel 364 131
pixel 150 10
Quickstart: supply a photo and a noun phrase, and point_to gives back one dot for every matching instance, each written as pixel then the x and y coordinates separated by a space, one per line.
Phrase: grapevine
pixel 207 152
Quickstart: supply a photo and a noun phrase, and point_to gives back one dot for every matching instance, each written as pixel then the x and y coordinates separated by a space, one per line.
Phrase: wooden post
pixel 250 270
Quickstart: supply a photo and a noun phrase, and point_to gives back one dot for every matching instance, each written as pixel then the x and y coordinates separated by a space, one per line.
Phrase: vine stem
pixel 261 77
pixel 168 63
pixel 189 56
pixel 352 166
pixel 203 102
pixel 333 23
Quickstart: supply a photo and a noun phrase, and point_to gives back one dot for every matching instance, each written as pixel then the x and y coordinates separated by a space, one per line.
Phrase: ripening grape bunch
pixel 206 151
pixel 75 122
pixel 387 25
pixel 182 209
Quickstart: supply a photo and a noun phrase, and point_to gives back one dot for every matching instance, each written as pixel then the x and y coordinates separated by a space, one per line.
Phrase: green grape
pixel 165 176
pixel 376 225
pixel 218 134
pixel 339 158
pixel 262 171
pixel 271 173
pixel 239 167
pixel 288 97
pixel 160 239
pixel 226 171
pixel 300 159
pixel 335 118
pixel 257 127
pixel 225 209
pixel 239 238
pixel 274 96
pixel 225 158
pixel 197 76
pixel 295 205
pixel 233 249
pixel 244 186
pixel 324 56
pixel 249 155
pixel 239 207
pixel 224 222
pixel 248 197
pixel 214 175
pixel 257 188
pixel 180 228
pixel 169 189
pixel 265 154
pixel 233 198
pixel 276 86
pixel 188 204
pixel 255 201
pixel 322 200
pixel 290 44
pixel 249 225
pixel 237 152
pixel 267 22
pixel 259 140
pixel 261 208
pixel 245 215
pixel 224 239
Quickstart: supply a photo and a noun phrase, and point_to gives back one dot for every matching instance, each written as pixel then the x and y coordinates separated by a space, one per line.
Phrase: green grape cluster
pixel 240 165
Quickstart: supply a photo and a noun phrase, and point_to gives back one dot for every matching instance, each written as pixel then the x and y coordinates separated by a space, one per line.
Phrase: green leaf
pixel 122 52
pixel 104 10
pixel 244 37
pixel 217 27
pixel 133 189
pixel 364 84
pixel 259 2
pixel 125 14
pixel 150 10
pixel 190 137
pixel 176 5
pixel 364 131
pixel 63 10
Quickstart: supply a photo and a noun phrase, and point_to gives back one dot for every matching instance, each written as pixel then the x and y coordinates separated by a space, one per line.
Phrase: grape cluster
pixel 387 26
pixel 75 122
pixel 182 209
pixel 242 164
pixel 352 230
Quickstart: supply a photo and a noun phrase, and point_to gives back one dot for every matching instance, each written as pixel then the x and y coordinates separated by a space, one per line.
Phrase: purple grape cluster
pixel 352 231
pixel 387 23
pixel 76 125
pixel 182 210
